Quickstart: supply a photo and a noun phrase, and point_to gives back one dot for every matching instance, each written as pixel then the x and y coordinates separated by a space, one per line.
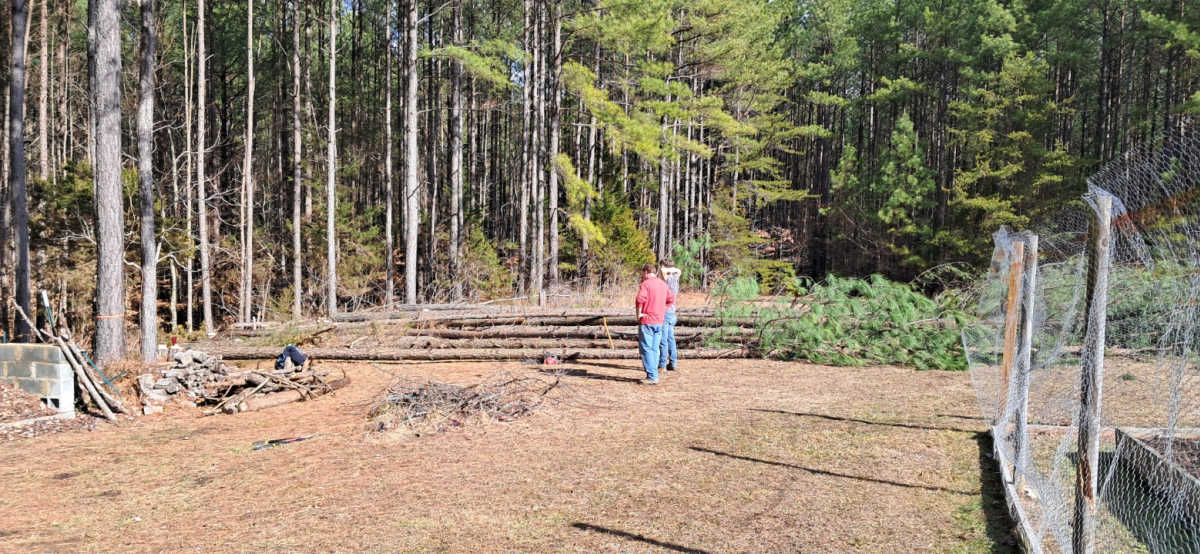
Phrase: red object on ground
pixel 550 360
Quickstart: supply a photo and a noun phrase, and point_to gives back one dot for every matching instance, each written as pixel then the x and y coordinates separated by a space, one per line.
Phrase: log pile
pixel 204 379
pixel 511 336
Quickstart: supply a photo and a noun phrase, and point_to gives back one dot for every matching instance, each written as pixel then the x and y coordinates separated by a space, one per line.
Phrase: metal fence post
pixel 1091 374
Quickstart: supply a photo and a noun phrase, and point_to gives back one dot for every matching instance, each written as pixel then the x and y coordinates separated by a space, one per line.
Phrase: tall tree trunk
pixel 201 180
pixel 297 182
pixel 390 200
pixel 456 160
pixel 331 166
pixel 16 159
pixel 411 190
pixel 110 277
pixel 5 190
pixel 145 130
pixel 247 297
pixel 43 137
pixel 555 122
pixel 527 154
pixel 187 180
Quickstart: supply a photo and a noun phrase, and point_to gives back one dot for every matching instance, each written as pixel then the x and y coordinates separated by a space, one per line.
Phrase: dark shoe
pixel 648 382
pixel 670 367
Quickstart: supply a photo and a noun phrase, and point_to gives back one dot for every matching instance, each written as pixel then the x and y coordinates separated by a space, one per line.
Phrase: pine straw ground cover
pixel 728 456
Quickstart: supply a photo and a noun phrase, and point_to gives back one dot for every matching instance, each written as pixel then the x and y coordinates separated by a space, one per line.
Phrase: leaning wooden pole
pixel 1091 374
pixel 1020 402
pixel 1012 318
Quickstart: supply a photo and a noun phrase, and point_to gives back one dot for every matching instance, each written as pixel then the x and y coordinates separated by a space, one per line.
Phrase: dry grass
pixel 728 456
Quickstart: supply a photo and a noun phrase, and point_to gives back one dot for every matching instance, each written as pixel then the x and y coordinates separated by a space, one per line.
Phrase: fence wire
pixel 1148 472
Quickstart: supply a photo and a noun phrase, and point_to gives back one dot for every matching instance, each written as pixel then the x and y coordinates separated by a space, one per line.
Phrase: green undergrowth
pixel 847 322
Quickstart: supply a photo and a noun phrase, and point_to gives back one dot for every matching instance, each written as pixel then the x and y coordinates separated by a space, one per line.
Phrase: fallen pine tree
pixel 465 354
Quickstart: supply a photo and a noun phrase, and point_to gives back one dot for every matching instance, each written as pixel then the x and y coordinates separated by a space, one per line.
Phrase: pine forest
pixel 185 166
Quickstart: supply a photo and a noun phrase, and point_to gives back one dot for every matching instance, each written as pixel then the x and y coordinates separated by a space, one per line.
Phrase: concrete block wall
pixel 41 370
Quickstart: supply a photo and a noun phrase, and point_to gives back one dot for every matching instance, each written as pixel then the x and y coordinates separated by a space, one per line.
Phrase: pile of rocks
pixel 205 380
pixel 192 372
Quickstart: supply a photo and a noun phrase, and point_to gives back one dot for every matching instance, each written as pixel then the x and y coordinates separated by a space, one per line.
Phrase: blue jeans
pixel 668 352
pixel 649 343
pixel 290 351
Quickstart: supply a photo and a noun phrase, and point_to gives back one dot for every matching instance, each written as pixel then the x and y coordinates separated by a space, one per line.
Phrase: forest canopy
pixel 308 157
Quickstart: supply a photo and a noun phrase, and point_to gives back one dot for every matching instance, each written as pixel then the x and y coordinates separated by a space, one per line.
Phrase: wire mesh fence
pixel 1085 355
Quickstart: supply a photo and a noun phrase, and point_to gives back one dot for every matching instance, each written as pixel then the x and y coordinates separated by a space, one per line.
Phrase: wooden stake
pixel 1091 374
pixel 1012 316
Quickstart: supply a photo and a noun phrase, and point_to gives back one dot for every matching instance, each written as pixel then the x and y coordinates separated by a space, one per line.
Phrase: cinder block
pixel 47 370
pixel 42 353
pixel 20 369
pixel 3 369
pixel 9 352
pixel 63 389
pixel 33 386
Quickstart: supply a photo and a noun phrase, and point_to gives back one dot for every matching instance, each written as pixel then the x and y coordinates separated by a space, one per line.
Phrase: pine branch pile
pixel 433 407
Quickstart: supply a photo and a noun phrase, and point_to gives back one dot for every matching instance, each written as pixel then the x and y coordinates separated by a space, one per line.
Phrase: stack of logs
pixel 206 380
pixel 509 337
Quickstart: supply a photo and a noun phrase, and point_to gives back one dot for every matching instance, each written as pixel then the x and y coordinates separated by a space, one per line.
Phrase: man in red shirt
pixel 652 300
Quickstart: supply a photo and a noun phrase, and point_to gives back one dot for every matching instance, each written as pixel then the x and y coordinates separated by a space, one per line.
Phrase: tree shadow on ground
pixel 999 524
pixel 933 488
pixel 639 538
pixel 868 422
pixel 588 375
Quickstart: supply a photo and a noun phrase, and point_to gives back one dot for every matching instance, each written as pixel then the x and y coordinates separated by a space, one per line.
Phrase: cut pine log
pixel 465 354
pixel 569 320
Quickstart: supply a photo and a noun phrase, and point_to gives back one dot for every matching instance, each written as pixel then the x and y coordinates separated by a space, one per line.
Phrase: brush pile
pixel 433 407
pixel 207 381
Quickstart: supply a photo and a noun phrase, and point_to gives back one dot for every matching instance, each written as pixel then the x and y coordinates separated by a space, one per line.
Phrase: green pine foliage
pixel 626 247
pixel 852 322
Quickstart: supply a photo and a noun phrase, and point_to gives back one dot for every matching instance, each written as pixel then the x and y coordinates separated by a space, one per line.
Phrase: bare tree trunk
pixel 145 130
pixel 43 97
pixel 555 122
pixel 246 303
pixel 297 186
pixel 16 159
pixel 175 208
pixel 5 191
pixel 456 160
pixel 411 190
pixel 389 231
pixel 201 184
pixel 331 167
pixel 110 277
pixel 527 154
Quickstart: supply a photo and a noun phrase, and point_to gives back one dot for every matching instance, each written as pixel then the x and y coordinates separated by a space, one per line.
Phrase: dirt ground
pixel 742 455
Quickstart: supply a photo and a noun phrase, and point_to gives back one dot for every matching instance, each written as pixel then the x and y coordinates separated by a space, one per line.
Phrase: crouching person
pixel 290 352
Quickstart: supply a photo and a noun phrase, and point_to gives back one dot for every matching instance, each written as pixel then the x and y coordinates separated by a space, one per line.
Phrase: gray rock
pixel 199 357
pixel 184 359
pixel 146 383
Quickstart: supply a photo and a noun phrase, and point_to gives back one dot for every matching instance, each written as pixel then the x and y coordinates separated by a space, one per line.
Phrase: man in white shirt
pixel 669 354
